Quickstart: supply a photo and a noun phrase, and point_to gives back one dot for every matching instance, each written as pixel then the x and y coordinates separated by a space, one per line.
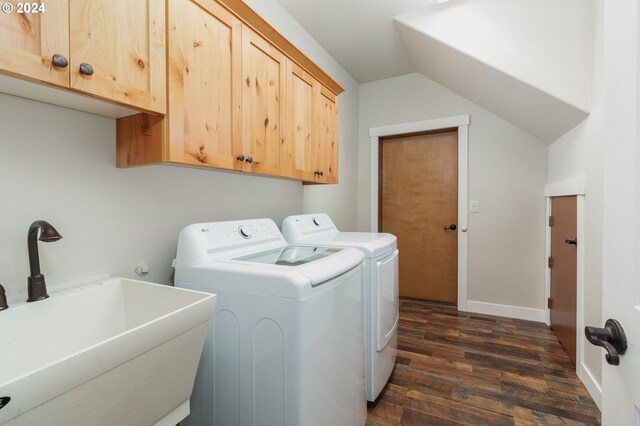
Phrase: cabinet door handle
pixel 86 69
pixel 249 160
pixel 320 173
pixel 240 157
pixel 59 61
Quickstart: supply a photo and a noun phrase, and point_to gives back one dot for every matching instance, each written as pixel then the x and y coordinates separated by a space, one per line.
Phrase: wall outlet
pixel 474 207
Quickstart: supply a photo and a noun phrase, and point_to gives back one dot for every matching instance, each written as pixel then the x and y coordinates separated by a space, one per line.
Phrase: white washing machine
pixel 381 287
pixel 286 346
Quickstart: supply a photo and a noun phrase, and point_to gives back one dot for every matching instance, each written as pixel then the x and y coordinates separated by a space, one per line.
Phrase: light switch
pixel 474 207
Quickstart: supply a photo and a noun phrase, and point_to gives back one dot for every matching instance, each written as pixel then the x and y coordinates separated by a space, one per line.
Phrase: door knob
pixel 240 157
pixel 611 337
pixel 574 242
pixel 249 160
pixel 451 227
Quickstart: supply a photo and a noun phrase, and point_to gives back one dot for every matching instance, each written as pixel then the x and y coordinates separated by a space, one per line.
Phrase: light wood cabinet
pixel 300 147
pixel 236 100
pixel 327 136
pixel 28 42
pixel 263 98
pixel 111 49
pixel 204 85
pixel 117 51
pixel 311 148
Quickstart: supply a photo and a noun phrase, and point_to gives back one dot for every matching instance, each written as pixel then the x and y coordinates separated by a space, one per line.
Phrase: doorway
pixel 563 266
pixel 418 202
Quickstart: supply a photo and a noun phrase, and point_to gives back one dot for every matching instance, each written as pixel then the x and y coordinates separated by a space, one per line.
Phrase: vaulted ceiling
pixel 528 61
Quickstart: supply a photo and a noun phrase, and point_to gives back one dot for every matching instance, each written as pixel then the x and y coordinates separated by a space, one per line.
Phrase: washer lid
pixel 290 255
pixel 259 274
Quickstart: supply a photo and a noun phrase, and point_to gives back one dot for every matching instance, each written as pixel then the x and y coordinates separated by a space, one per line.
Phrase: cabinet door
pixel 204 84
pixel 264 79
pixel 28 42
pixel 123 43
pixel 299 160
pixel 327 136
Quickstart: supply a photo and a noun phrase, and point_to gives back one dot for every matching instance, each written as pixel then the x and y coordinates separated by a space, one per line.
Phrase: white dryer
pixel 381 287
pixel 286 346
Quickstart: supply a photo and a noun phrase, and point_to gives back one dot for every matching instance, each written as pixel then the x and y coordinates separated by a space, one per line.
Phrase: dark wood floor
pixel 458 368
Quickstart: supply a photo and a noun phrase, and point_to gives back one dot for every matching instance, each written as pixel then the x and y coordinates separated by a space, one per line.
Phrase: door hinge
pixel 550 221
pixel 549 303
pixel 550 262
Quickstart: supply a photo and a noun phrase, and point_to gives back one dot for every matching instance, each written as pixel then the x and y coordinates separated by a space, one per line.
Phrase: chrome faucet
pixel 36 287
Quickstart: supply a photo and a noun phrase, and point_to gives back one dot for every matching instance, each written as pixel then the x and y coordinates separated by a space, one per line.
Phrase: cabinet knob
pixel 320 173
pixel 240 157
pixel 86 69
pixel 249 160
pixel 59 61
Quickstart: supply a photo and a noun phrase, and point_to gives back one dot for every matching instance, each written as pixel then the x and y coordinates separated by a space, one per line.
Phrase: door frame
pixel 461 122
pixel 572 187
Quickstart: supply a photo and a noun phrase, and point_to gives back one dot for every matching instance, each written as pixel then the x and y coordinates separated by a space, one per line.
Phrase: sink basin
pixel 113 351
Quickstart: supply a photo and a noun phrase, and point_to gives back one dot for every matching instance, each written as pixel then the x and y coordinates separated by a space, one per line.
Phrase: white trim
pixel 569 187
pixel 591 384
pixel 462 123
pixel 420 126
pixel 519 312
pixel 574 186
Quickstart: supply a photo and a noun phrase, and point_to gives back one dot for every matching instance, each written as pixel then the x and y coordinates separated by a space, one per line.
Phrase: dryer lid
pixel 318 228
pixel 372 244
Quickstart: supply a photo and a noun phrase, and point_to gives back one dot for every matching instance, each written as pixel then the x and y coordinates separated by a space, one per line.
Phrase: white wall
pixel 579 153
pixel 507 35
pixel 58 164
pixel 338 201
pixel 507 174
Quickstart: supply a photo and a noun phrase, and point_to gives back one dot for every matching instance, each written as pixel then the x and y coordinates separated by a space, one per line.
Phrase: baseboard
pixel 591 384
pixel 506 311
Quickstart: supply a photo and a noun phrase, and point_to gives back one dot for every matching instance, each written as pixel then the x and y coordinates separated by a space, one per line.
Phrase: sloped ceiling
pixel 528 61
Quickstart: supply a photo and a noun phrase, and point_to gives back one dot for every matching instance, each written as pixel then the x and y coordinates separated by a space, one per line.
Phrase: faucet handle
pixel 3 299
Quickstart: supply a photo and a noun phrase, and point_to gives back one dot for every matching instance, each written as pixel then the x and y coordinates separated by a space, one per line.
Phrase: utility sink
pixel 109 352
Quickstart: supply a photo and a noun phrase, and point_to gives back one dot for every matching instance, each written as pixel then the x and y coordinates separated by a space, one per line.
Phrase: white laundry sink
pixel 115 351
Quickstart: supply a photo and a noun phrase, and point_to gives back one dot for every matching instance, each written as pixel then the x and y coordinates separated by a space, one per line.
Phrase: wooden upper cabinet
pixel 28 42
pixel 240 96
pixel 300 149
pixel 264 77
pixel 204 84
pixel 327 136
pixel 118 51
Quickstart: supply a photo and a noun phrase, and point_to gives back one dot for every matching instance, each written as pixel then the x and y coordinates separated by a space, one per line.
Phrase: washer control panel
pixel 246 231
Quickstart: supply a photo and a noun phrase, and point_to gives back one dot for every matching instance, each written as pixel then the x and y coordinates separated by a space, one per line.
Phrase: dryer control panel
pixel 304 227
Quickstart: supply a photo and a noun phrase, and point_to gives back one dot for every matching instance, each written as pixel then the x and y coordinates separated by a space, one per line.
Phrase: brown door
pixel 418 204
pixel 563 272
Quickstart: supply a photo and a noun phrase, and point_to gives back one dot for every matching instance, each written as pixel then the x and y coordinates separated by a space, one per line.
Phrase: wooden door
pixel 418 202
pixel 123 41
pixel 28 42
pixel 204 84
pixel 327 136
pixel 264 72
pixel 563 262
pixel 300 145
